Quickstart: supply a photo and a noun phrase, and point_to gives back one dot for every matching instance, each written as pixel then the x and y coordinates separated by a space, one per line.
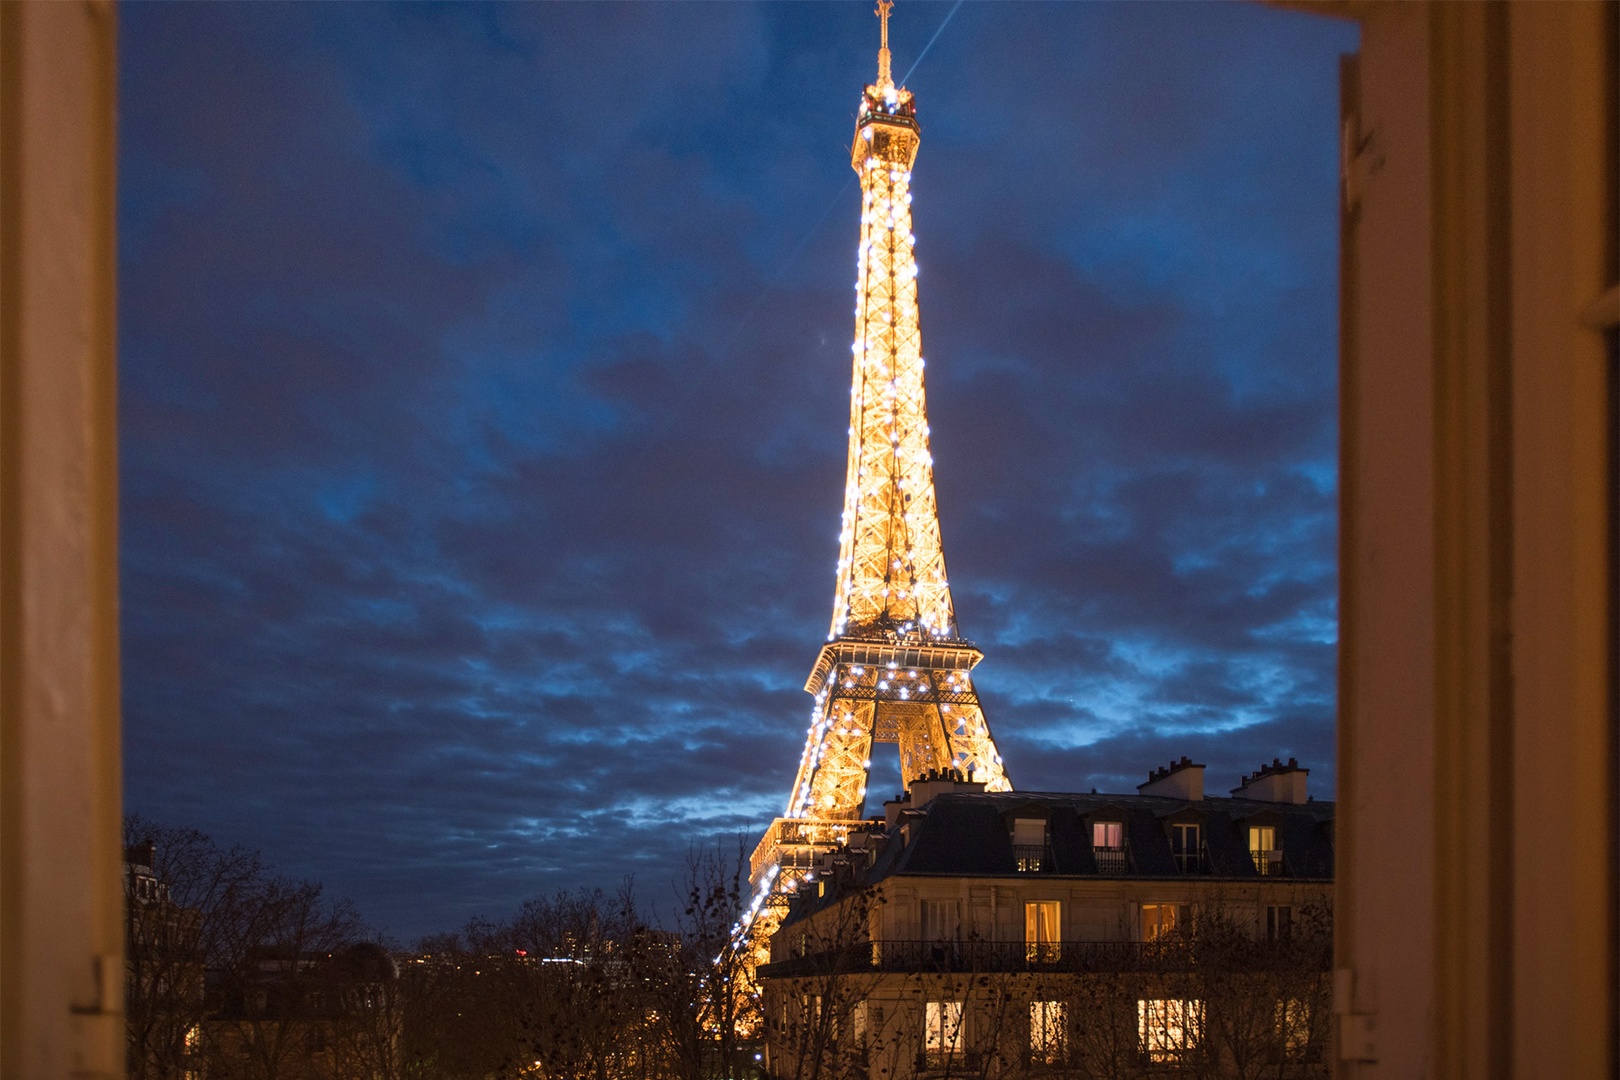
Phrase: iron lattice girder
pixel 891 565
pixel 894 668
pixel 791 844
pixel 918 694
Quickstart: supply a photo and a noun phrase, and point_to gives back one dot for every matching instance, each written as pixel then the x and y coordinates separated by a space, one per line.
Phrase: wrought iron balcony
pixel 1033 858
pixel 1112 860
pixel 1172 953
pixel 1269 863
pixel 952 956
pixel 1192 862
pixel 958 1060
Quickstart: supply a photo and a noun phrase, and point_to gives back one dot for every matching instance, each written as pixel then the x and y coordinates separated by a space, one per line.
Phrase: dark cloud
pixel 484 381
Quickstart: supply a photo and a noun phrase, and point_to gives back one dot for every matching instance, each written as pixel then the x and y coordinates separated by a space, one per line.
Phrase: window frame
pixel 936 1047
pixel 1039 949
pixel 1189 1023
pixel 1049 1031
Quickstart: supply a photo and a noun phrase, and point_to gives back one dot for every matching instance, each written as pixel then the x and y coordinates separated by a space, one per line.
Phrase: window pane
pixel 1187 844
pixel 1294 1026
pixel 1041 932
pixel 1169 1029
pixel 943 1033
pixel 1159 919
pixel 1048 1030
pixel 1262 845
pixel 1029 831
pixel 1041 921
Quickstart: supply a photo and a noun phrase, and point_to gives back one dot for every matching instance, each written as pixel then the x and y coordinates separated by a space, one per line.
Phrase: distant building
pixel 163 974
pixel 1011 933
pixel 328 1014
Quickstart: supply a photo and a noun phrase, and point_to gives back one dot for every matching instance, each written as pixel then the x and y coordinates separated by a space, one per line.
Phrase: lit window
pixel 1170 1030
pixel 1108 845
pixel 1158 920
pixel 1048 1031
pixel 1187 843
pixel 1041 933
pixel 857 1022
pixel 1279 922
pixel 1294 1027
pixel 942 1034
pixel 1263 849
pixel 1029 844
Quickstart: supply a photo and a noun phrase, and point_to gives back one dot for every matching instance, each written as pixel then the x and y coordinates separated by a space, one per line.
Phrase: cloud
pixel 484 374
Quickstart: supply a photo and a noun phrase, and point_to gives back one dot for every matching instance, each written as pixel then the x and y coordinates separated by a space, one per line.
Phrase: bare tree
pixel 271 1016
pixel 699 968
pixel 228 966
pixel 558 991
pixel 455 1025
pixel 821 1017
pixel 181 920
pixel 367 1014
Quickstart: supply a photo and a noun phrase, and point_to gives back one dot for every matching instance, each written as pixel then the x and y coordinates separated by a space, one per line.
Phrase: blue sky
pixel 484 386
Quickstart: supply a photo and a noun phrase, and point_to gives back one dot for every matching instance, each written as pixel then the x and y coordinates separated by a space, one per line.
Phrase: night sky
pixel 484 385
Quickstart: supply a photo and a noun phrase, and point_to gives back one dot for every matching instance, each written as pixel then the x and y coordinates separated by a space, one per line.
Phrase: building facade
pixel 1019 933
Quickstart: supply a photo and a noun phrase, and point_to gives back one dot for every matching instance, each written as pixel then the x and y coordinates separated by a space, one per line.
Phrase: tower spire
pixel 883 8
pixel 894 668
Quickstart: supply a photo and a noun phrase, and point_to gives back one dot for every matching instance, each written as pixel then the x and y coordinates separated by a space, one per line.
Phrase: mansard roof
pixel 969 834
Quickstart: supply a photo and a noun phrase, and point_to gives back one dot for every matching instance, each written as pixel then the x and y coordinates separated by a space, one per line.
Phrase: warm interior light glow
pixel 1048 1030
pixel 1169 1029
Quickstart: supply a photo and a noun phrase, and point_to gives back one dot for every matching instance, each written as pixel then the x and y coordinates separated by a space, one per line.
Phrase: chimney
pixel 892 808
pixel 1178 780
pixel 1278 782
pixel 940 782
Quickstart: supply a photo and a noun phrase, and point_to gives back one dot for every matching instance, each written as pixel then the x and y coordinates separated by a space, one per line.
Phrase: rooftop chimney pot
pixel 1275 783
pixel 1182 779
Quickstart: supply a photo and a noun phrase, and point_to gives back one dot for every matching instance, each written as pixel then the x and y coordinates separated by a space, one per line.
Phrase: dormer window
pixel 1108 845
pixel 1187 843
pixel 1029 844
pixel 1264 851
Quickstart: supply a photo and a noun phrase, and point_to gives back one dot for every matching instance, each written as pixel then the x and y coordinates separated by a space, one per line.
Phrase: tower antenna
pixel 883 9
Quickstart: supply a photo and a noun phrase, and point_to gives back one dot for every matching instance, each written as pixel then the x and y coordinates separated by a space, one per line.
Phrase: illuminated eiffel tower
pixel 894 669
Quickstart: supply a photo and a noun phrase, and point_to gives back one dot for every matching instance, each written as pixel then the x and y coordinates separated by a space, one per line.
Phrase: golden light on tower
pixel 894 668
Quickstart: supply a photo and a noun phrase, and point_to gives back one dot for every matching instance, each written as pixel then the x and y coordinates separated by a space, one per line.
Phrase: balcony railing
pixel 1111 860
pixel 1269 863
pixel 979 956
pixel 958 1060
pixel 1032 858
pixel 1172 953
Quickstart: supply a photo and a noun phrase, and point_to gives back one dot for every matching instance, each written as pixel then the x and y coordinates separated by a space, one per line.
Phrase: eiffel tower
pixel 894 668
